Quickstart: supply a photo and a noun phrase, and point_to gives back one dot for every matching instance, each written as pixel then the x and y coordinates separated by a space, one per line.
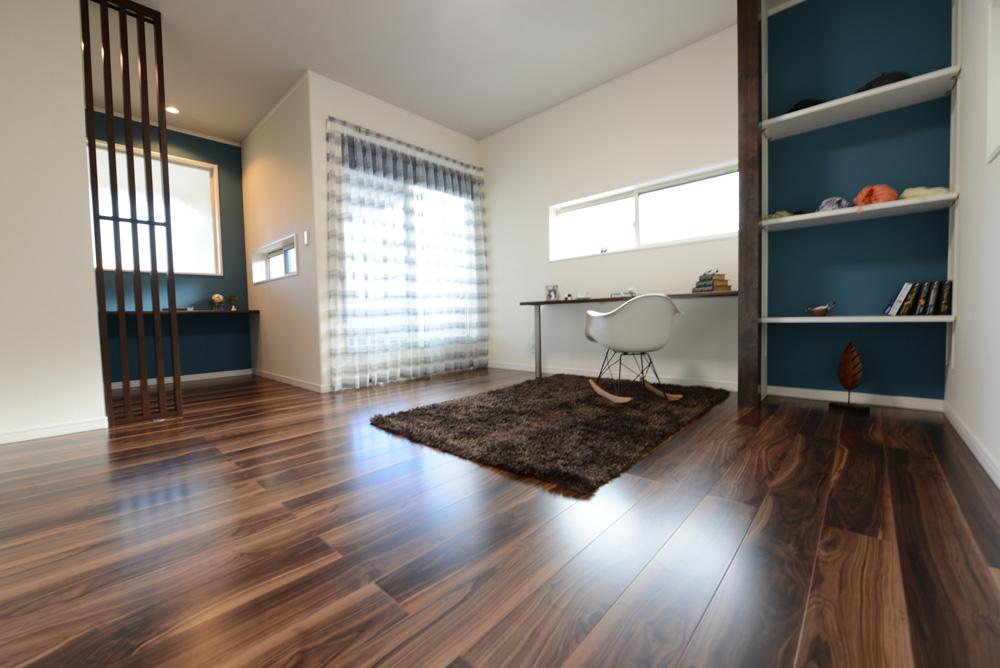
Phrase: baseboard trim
pixel 889 400
pixel 974 444
pixel 210 375
pixel 51 430
pixel 289 380
pixel 673 380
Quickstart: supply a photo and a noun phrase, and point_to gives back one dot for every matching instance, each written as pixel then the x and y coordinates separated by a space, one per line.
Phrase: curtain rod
pixel 378 135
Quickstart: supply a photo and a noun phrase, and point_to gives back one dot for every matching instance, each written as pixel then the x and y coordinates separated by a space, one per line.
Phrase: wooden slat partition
pixel 121 407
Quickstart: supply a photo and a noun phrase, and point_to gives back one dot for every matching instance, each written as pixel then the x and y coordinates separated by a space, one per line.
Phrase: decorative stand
pixel 850 371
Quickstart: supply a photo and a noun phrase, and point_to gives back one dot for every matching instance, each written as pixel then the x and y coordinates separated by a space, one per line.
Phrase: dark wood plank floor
pixel 272 526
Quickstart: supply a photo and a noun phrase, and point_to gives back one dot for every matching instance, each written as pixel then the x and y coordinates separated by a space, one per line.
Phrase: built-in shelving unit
pixel 897 95
pixel 899 136
pixel 858 319
pixel 852 214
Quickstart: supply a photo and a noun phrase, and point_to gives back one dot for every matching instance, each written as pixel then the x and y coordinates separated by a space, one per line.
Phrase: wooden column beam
pixel 749 74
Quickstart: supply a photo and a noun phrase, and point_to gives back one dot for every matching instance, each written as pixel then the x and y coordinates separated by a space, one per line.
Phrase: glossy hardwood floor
pixel 272 526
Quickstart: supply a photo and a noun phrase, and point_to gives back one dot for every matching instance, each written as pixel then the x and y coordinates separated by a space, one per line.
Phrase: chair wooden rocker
pixel 635 329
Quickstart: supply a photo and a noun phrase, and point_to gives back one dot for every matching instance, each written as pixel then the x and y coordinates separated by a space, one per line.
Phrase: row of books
pixel 712 281
pixel 928 298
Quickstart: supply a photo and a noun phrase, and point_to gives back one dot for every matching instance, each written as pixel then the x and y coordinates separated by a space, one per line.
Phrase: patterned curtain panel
pixel 407 261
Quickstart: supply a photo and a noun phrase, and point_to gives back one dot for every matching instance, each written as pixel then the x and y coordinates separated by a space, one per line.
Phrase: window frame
pixel 267 251
pixel 210 167
pixel 633 192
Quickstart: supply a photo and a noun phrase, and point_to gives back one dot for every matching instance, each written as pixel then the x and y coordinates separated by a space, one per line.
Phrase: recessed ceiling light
pixel 173 110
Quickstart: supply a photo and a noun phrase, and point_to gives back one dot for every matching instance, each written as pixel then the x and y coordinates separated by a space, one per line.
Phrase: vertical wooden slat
pixel 749 73
pixel 109 119
pixel 164 165
pixel 146 19
pixel 102 309
pixel 154 275
pixel 140 325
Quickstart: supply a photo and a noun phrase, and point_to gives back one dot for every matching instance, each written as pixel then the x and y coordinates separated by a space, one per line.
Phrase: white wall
pixel 50 364
pixel 674 115
pixel 277 202
pixel 974 376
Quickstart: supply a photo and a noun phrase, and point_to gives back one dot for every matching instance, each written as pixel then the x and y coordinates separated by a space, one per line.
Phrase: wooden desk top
pixel 203 311
pixel 599 300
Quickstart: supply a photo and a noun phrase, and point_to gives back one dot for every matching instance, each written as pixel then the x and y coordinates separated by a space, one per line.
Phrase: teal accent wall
pixel 207 343
pixel 827 49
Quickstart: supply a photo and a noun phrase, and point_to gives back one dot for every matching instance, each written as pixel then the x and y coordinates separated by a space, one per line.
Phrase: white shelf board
pixel 777 6
pixel 859 105
pixel 899 207
pixel 858 319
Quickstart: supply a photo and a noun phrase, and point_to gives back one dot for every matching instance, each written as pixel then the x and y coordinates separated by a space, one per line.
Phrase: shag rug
pixel 555 429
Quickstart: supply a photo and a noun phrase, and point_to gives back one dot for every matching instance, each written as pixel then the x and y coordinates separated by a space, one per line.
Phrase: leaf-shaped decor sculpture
pixel 850 369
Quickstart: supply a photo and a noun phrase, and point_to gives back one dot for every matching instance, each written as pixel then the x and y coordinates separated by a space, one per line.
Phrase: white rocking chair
pixel 635 329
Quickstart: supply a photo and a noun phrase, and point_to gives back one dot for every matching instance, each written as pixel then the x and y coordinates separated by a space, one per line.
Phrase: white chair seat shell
pixel 640 325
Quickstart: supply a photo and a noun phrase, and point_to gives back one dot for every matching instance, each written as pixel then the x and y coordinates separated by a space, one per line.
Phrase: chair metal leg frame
pixel 644 362
pixel 640 373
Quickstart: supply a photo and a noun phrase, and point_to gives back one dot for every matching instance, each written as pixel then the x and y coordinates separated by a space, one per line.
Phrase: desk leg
pixel 538 341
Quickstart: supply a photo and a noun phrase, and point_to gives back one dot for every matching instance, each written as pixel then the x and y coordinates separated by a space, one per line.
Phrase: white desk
pixel 537 305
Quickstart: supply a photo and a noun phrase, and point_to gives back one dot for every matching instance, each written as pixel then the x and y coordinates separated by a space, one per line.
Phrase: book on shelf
pixel 922 298
pixel 925 291
pixel 897 303
pixel 910 302
pixel 944 300
pixel 932 298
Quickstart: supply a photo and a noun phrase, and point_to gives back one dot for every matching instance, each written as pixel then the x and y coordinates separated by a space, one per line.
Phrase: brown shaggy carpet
pixel 554 429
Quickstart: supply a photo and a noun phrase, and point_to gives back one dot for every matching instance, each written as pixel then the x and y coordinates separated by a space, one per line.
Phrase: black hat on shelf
pixel 884 79
pixel 805 104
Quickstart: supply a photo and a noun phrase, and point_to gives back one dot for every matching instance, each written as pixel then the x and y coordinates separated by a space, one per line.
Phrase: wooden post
pixel 749 73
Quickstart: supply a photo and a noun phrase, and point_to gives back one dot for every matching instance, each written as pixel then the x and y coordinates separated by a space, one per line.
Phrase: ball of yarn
pixel 875 194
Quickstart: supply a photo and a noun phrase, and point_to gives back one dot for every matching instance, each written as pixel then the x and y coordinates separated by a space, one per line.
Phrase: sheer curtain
pixel 407 260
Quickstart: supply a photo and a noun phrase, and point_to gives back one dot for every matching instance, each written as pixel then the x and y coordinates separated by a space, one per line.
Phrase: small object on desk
pixel 850 371
pixel 232 302
pixel 583 294
pixel 568 297
pixel 712 281
pixel 216 300
pixel 623 293
pixel 551 293
pixel 820 311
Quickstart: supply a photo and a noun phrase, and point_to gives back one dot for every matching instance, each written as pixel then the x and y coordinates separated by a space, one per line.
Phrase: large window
pixel 694 207
pixel 194 213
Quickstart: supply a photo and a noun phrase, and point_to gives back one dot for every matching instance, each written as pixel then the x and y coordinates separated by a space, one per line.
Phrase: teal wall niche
pixel 822 49
pixel 208 343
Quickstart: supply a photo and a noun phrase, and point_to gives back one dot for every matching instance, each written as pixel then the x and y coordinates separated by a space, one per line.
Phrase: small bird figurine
pixel 821 310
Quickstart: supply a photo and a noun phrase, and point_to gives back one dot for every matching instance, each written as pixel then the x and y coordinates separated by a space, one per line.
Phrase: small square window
pixel 275 260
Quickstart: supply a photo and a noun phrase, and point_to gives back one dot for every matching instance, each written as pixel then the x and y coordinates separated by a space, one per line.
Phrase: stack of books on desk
pixel 712 281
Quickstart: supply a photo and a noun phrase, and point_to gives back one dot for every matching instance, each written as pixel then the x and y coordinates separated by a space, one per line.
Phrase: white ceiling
pixel 476 66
